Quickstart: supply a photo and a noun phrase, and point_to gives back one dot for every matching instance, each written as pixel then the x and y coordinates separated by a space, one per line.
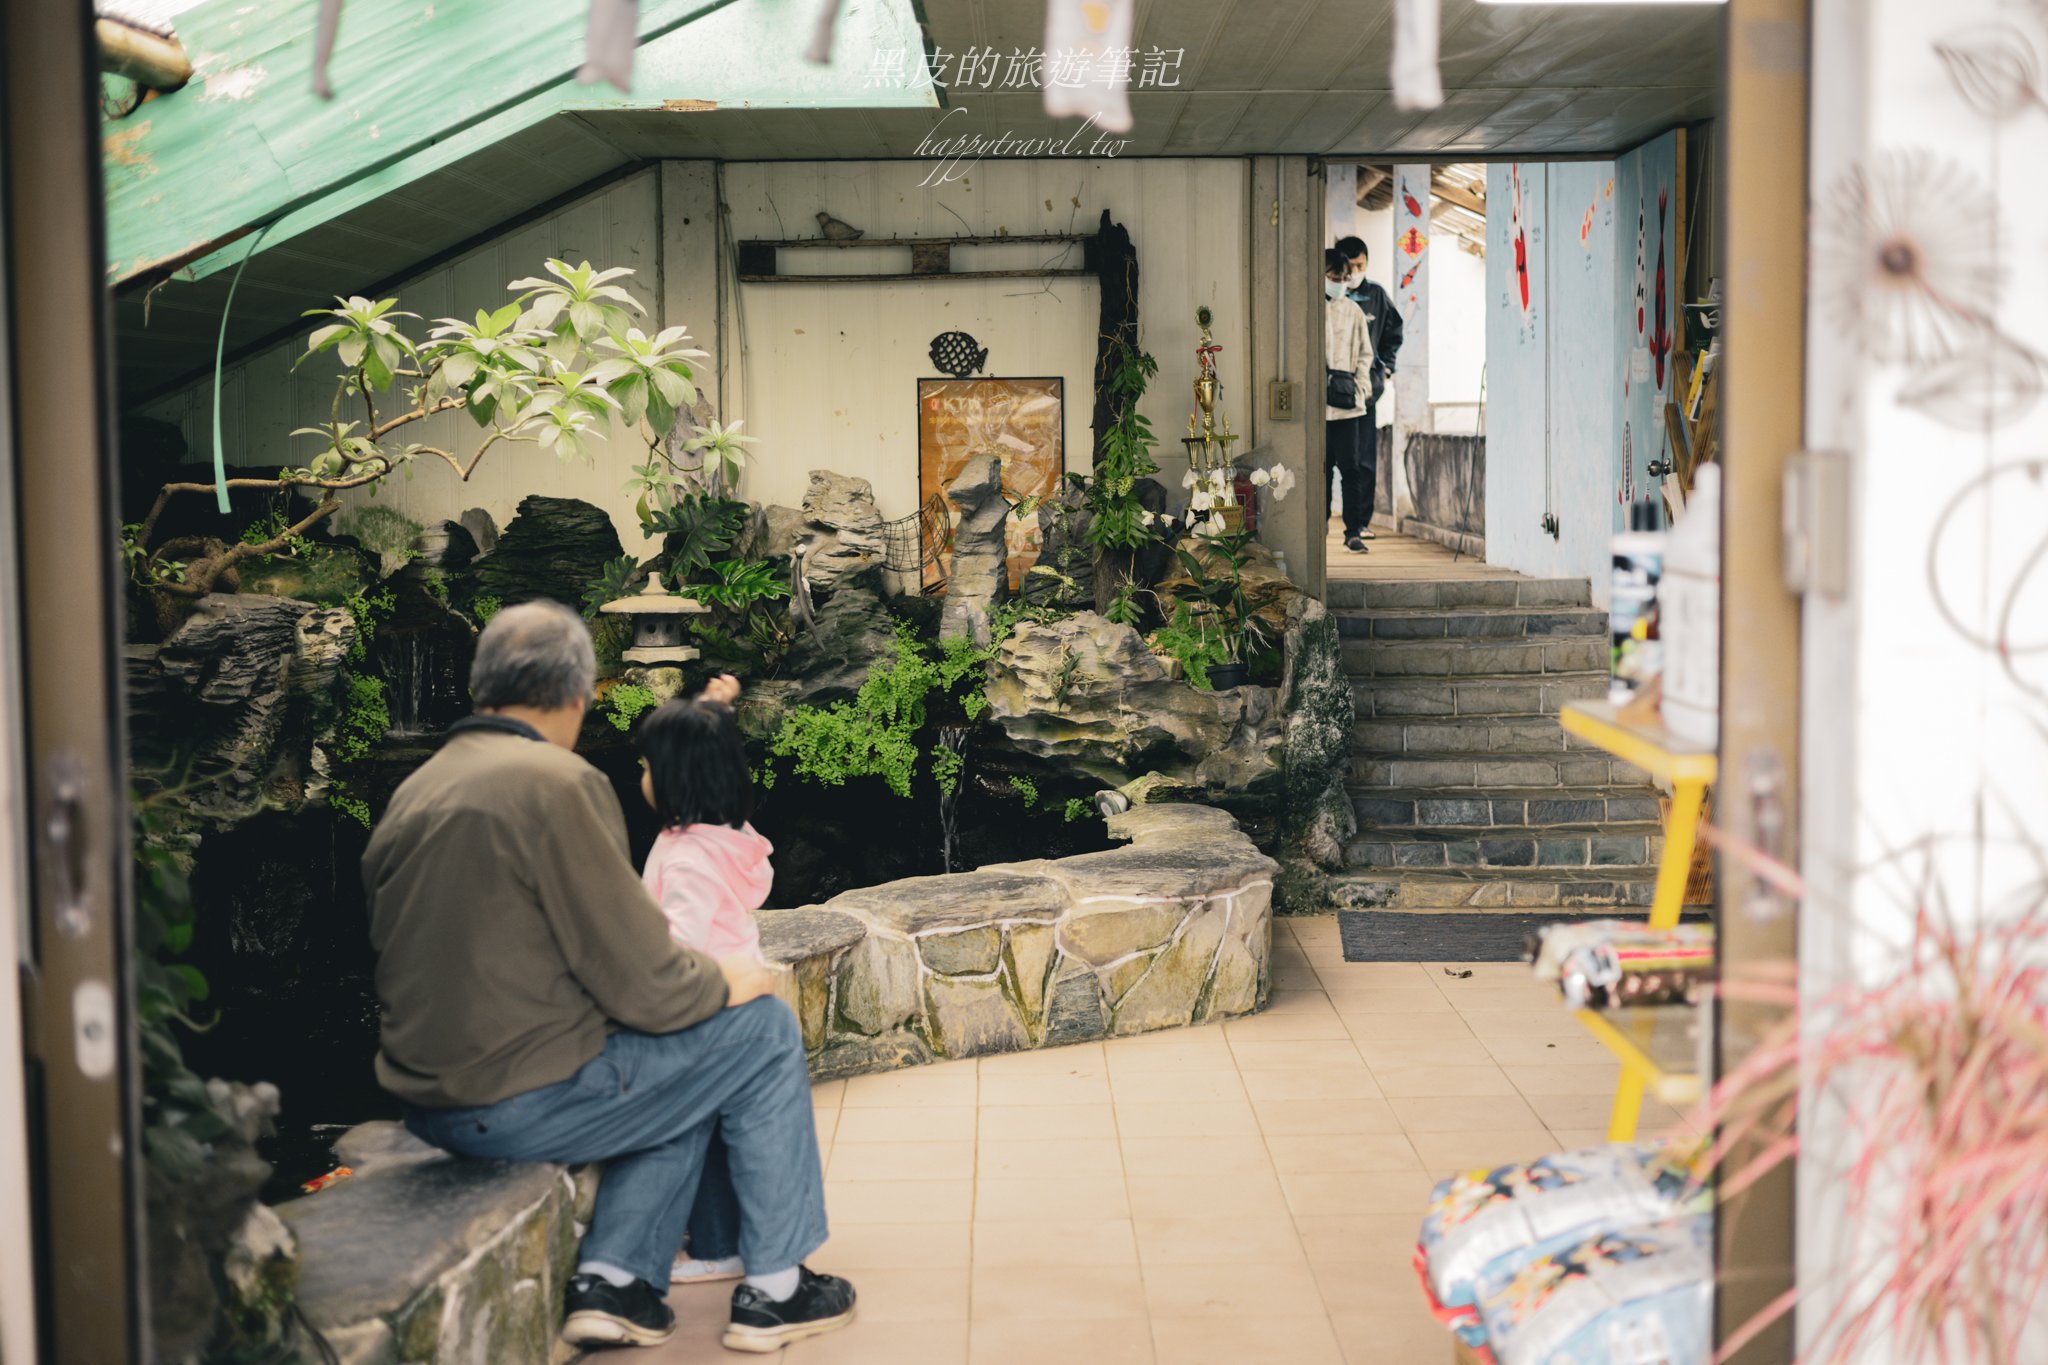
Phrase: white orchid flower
pixel 1202 501
pixel 1146 518
pixel 1260 478
pixel 1187 480
pixel 1216 526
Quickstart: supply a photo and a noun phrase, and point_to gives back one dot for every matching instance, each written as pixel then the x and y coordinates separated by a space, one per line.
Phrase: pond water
pixel 282 932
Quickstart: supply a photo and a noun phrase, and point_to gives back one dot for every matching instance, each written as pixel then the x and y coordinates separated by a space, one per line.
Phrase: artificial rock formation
pixel 239 695
pixel 1318 818
pixel 845 529
pixel 1064 547
pixel 980 576
pixel 1085 692
pixel 1172 929
pixel 553 547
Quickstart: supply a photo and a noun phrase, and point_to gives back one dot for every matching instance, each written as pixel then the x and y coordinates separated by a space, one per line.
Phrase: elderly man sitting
pixel 535 1008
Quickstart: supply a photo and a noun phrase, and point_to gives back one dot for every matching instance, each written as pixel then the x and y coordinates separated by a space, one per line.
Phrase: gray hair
pixel 536 654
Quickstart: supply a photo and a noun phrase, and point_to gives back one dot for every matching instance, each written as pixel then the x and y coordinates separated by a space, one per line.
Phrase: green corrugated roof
pixel 418 86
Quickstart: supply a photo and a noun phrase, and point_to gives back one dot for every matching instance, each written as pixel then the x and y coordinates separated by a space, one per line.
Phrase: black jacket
pixel 1382 324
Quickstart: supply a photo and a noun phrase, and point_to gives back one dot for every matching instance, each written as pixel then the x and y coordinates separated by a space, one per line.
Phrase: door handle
pixel 64 831
pixel 1766 781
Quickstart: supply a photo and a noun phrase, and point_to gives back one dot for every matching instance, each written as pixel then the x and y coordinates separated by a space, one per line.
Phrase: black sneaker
pixel 760 1324
pixel 600 1313
pixel 1355 545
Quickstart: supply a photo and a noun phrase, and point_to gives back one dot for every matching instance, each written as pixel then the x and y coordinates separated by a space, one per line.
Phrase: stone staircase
pixel 1469 795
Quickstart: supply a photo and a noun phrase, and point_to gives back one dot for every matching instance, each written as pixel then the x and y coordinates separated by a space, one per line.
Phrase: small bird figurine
pixel 836 231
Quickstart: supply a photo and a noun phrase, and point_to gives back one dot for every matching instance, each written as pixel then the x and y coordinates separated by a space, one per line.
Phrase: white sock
pixel 607 1272
pixel 689 1267
pixel 777 1285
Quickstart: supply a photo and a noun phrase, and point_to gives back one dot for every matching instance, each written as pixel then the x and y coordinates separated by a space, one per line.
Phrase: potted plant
pixel 1212 628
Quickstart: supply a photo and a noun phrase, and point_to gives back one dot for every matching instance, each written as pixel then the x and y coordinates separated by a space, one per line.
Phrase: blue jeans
pixel 715 1220
pixel 647 1107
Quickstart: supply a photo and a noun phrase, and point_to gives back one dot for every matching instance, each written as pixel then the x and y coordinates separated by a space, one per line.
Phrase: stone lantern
pixel 657 616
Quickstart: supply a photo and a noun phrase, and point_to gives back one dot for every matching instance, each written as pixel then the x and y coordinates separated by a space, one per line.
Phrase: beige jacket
pixel 1347 345
pixel 512 933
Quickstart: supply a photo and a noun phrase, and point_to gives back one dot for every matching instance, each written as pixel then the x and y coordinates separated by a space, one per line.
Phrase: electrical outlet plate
pixel 1280 400
pixel 1816 523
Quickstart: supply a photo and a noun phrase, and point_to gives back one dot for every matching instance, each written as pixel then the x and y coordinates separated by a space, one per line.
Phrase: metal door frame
pixel 84 1114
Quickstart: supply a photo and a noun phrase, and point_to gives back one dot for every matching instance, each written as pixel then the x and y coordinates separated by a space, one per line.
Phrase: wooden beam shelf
pixel 931 258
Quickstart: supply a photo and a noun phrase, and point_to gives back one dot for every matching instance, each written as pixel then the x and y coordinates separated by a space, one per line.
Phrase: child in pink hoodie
pixel 709 872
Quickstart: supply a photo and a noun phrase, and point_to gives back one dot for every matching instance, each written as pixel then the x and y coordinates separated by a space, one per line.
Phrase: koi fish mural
pixel 1518 233
pixel 1414 209
pixel 1640 291
pixel 1660 335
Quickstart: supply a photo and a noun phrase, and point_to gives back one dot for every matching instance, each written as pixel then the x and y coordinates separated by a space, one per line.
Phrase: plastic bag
pixel 1482 1221
pixel 1627 1296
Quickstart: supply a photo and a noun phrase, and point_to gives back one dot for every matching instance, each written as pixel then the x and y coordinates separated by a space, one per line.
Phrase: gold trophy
pixel 1208 448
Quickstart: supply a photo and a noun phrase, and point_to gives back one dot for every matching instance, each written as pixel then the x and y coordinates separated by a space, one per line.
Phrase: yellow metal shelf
pixel 1659 1054
pixel 1656 1046
pixel 1650 747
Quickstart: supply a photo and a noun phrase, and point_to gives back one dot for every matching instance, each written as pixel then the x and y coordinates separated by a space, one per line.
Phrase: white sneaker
pixel 689 1270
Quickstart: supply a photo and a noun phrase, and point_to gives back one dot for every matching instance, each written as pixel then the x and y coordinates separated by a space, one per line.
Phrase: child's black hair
pixel 693 749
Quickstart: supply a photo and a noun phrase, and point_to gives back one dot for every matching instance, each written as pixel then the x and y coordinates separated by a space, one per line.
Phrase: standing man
pixel 1383 326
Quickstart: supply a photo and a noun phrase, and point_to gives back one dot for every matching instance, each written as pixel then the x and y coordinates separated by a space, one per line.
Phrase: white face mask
pixel 1333 288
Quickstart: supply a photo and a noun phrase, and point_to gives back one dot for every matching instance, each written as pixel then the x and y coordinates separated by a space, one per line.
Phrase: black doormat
pixel 1486 936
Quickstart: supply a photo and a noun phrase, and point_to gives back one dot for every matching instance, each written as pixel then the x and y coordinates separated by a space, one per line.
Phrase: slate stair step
pixel 1405 808
pixel 1471 623
pixel 1493 770
pixel 1503 734
pixel 1461 592
pixel 1440 659
pixel 1624 845
pixel 1513 694
pixel 1499 889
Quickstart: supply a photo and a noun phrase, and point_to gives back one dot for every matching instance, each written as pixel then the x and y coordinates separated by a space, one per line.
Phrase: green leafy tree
pixel 554 367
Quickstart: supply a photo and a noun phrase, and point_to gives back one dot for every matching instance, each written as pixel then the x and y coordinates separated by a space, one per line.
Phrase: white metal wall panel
pixel 827 375
pixel 823 374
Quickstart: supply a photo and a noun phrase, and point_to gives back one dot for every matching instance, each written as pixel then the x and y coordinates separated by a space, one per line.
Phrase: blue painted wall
pixel 1561 399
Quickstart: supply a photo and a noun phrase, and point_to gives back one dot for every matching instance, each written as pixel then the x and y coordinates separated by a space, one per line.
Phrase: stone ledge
pixel 1171 930
pixel 422 1256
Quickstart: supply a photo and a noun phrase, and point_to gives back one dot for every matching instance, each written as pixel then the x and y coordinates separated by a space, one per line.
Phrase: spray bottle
pixel 1689 615
pixel 1636 658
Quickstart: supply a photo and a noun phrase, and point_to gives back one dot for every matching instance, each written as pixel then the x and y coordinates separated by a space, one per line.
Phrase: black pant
pixel 1369 462
pixel 1345 451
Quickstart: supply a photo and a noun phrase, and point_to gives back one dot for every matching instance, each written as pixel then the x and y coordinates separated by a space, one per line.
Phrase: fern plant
pixel 1122 457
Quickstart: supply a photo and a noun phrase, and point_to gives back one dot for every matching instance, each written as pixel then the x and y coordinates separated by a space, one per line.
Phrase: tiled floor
pixel 1238 1194
pixel 1395 556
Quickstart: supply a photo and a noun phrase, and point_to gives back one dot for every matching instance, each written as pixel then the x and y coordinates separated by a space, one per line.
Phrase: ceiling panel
pixel 1277 76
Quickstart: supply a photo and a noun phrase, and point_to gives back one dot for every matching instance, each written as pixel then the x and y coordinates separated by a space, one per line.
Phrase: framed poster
pixel 1022 420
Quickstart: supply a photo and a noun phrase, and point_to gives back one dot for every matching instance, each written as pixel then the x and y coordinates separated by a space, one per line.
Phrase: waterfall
pixel 407 661
pixel 953 740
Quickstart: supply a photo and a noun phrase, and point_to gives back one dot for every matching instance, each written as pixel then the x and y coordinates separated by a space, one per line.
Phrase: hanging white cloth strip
pixel 1088 58
pixel 323 46
pixel 1418 84
pixel 820 53
pixel 608 44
